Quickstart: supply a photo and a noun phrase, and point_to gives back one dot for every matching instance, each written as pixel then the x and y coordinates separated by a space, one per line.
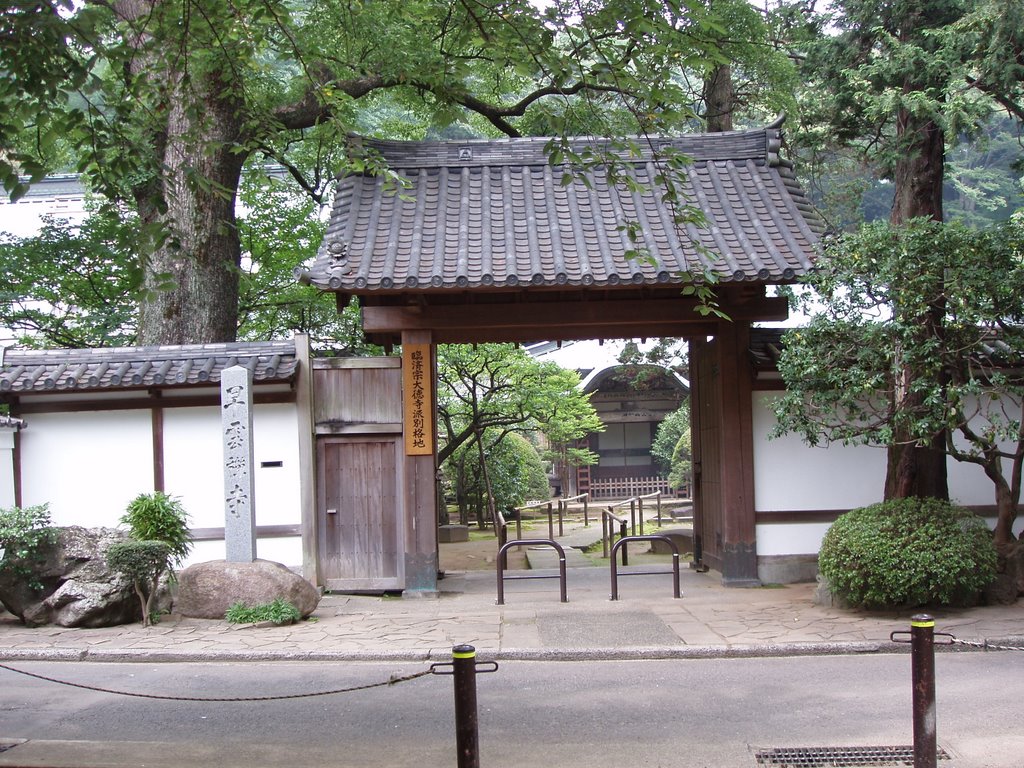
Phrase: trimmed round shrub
pixel 908 552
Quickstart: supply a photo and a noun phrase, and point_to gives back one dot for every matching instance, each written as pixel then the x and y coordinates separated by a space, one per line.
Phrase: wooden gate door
pixel 360 539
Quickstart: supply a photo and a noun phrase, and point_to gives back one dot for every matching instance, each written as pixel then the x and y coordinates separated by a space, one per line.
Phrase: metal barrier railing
pixel 622 543
pixel 501 527
pixel 503 566
pixel 563 506
pixel 608 522
pixel 549 505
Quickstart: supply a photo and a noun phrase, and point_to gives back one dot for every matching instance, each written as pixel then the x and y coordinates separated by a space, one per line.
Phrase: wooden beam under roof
pixel 675 316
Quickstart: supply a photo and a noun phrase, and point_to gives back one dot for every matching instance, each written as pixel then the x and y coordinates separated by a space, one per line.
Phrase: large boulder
pixel 69 584
pixel 207 590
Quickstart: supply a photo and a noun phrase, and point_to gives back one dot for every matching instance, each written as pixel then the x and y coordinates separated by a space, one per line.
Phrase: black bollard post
pixel 467 739
pixel 922 663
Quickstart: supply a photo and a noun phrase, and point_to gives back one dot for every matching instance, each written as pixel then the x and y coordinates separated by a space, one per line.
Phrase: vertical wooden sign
pixel 418 399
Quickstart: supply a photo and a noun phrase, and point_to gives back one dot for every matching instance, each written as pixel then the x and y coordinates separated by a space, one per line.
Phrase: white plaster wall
pixel 791 476
pixel 86 469
pixel 194 464
pixel 790 538
pixel 6 468
pixel 194 471
pixel 286 550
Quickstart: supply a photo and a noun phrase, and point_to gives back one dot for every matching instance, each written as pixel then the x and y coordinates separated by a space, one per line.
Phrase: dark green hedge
pixel 908 552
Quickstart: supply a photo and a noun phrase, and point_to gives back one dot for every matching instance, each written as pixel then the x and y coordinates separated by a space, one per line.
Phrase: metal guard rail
pixel 675 563
pixel 503 563
pixel 608 520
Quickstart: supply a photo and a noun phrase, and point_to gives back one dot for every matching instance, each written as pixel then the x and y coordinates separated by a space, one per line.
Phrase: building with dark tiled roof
pixel 501 241
pixel 123 368
pixel 90 429
pixel 497 225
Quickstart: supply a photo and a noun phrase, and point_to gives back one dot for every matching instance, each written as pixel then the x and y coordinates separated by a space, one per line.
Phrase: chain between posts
pixel 897 637
pixel 393 680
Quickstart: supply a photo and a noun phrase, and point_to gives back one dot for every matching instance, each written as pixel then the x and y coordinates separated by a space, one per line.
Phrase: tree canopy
pixel 161 104
pixel 844 371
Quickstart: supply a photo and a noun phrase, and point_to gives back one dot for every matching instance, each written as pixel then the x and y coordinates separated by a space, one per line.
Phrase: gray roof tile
pixel 63 370
pixel 495 213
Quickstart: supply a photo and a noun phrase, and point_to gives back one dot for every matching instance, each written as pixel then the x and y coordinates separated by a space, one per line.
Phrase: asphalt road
pixel 716 713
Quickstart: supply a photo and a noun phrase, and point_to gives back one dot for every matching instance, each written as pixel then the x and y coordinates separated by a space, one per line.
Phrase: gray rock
pixel 824 596
pixel 1009 581
pixel 77 587
pixel 207 590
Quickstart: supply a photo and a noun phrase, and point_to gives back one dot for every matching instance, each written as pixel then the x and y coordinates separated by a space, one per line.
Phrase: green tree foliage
pixel 681 474
pixel 514 475
pixel 845 372
pixel 72 286
pixel 488 391
pixel 162 103
pixel 24 532
pixel 895 81
pixel 500 386
pixel 667 436
pixel 672 448
pixel 79 285
pixel 280 229
pixel 143 563
pixel 160 517
pixel 907 553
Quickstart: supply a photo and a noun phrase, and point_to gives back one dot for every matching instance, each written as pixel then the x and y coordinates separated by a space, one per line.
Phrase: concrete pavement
pixel 709 620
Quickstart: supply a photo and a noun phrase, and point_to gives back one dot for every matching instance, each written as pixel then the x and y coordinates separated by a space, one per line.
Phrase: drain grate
pixel 838 757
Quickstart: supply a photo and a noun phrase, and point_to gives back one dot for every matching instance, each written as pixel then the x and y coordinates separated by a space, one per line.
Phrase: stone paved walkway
pixel 709 620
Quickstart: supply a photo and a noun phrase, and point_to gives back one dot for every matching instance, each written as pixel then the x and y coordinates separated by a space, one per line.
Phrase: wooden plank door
pixel 360 514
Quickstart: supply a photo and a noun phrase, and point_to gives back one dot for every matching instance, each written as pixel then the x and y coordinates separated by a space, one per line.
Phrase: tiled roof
pixel 494 214
pixel 130 367
pixel 10 422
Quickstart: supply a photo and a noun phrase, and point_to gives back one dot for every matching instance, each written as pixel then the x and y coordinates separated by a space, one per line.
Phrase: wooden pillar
pixel 739 546
pixel 304 404
pixel 8 468
pixel 419 431
pixel 157 432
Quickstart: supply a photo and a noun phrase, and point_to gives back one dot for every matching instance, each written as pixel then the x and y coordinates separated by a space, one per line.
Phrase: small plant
pixel 280 611
pixel 143 562
pixel 159 517
pixel 23 534
pixel 908 552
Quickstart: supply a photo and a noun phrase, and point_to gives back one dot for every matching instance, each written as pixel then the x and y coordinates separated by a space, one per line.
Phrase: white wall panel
pixel 86 465
pixel 194 464
pixel 790 538
pixel 789 475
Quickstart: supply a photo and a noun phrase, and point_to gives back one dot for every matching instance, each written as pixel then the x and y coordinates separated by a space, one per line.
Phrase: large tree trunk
pixel 918 470
pixel 191 277
pixel 189 244
pixel 719 99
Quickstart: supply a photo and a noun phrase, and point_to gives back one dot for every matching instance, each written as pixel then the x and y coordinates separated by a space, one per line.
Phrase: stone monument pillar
pixel 239 482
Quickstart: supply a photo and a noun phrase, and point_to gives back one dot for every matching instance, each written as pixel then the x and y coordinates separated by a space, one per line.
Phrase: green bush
pixel 908 552
pixel 159 517
pixel 143 562
pixel 279 612
pixel 24 532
